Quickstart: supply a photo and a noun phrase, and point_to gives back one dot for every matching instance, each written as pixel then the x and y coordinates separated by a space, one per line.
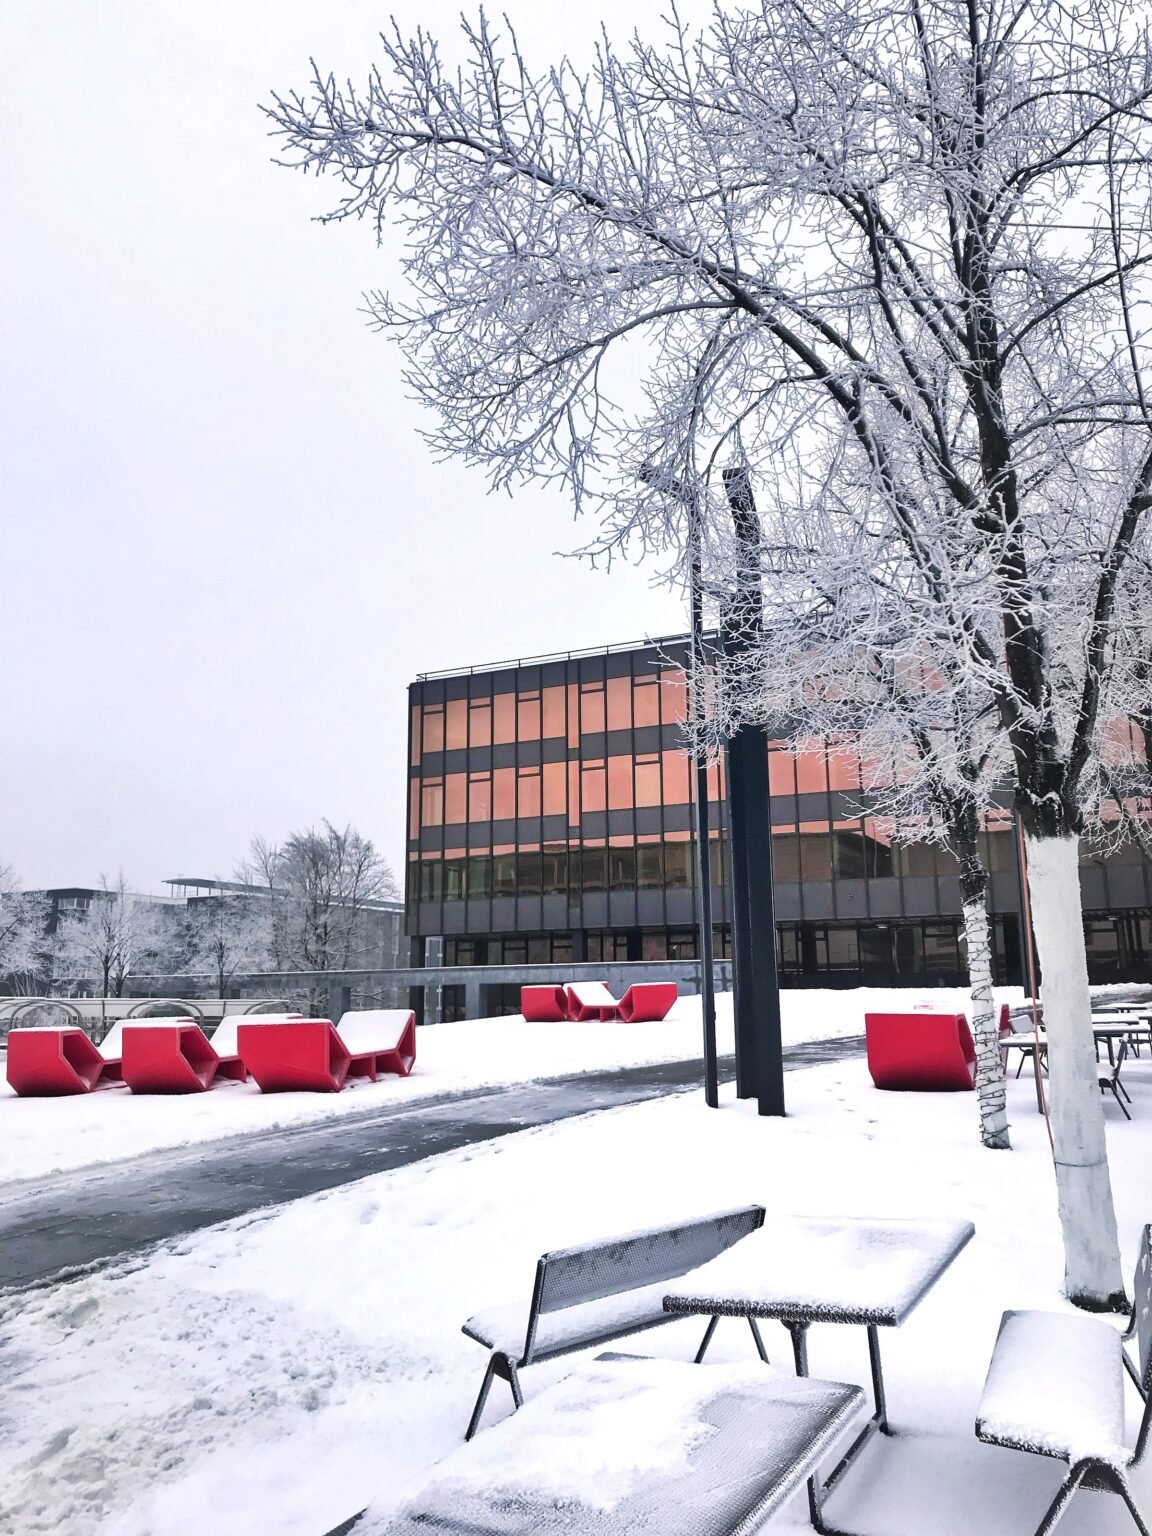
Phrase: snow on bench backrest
pixel 224 1038
pixel 569 1276
pixel 373 1029
pixel 112 1045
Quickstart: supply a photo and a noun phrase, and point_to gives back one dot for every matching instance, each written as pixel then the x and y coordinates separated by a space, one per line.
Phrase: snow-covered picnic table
pixel 847 1269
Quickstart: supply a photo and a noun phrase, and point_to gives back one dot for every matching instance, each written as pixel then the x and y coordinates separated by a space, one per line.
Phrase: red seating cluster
pixel 282 1052
pixel 644 1002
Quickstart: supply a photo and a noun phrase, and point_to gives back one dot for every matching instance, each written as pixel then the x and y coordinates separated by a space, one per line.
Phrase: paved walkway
pixel 50 1227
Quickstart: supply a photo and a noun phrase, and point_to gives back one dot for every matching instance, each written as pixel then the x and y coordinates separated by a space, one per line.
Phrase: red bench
pixel 647 1002
pixel 313 1056
pixel 50 1063
pixel 388 1035
pixel 930 1052
pixel 591 1000
pixel 544 1005
pixel 173 1056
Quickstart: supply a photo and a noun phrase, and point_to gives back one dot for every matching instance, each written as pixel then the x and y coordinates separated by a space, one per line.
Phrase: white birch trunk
pixel 991 1094
pixel 1092 1275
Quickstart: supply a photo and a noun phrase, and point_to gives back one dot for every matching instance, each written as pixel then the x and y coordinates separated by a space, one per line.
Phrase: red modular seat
pixel 543 1005
pixel 48 1063
pixel 647 1002
pixel 173 1056
pixel 388 1035
pixel 591 1000
pixel 303 1055
pixel 928 1052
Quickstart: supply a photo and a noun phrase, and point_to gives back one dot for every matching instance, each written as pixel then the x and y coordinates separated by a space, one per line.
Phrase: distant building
pixel 382 941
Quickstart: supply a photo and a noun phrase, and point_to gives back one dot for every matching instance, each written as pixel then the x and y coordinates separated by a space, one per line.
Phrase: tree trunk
pixel 1092 1275
pixel 991 1094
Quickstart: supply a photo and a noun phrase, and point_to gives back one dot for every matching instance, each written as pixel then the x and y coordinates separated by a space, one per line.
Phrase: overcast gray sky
pixel 225 550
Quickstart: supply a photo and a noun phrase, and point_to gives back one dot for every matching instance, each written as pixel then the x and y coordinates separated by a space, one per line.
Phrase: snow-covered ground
pixel 277 1373
pixel 41 1136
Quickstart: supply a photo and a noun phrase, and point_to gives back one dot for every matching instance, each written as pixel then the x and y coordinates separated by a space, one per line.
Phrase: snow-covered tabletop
pixel 844 1269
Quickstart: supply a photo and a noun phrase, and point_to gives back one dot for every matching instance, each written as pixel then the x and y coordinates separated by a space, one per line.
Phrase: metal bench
pixel 1055 1387
pixel 598 1292
pixel 589 1456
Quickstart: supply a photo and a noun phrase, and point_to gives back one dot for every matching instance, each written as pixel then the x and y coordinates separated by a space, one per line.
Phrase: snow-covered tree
pixel 228 934
pixel 903 254
pixel 120 935
pixel 23 921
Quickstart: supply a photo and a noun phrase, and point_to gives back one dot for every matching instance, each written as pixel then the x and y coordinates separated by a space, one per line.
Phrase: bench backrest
pixel 592 1271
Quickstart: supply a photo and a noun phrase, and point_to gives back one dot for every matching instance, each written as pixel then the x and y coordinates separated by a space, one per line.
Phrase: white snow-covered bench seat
pixel 633 1445
pixel 1055 1387
pixel 598 1292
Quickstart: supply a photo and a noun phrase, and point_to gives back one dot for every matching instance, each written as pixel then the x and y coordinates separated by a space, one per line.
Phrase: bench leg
pixel 1060 1503
pixel 498 1365
pixel 1126 1495
pixel 799 1332
pixel 706 1340
pixel 878 1395
pixel 763 1353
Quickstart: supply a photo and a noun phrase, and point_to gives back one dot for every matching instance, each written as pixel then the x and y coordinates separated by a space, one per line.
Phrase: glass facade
pixel 550 820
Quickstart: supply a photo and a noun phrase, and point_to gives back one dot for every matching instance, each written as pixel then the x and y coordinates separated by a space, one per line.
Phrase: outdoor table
pixel 805 1270
pixel 1133 1025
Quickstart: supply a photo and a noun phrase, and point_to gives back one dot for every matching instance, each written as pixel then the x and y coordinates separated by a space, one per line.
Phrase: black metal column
pixel 756 1000
pixel 756 986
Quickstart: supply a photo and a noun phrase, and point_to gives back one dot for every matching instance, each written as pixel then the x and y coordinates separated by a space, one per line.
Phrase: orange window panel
pixel 555 789
pixel 648 780
pixel 619 783
pixel 573 715
pixel 504 717
pixel 591 708
pixel 843 769
pixel 433 728
pixel 781 772
pixel 455 798
pixel 503 794
pixel 646 702
pixel 432 803
pixel 413 809
pixel 573 794
pixel 673 696
pixel 456 724
pixel 554 715
pixel 811 773
pixel 480 797
pixel 593 787
pixel 480 722
pixel 416 727
pixel 619 695
pixel 528 717
pixel 676 778
pixel 528 792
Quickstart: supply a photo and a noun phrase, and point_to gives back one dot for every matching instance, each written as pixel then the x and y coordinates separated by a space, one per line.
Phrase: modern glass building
pixel 550 820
